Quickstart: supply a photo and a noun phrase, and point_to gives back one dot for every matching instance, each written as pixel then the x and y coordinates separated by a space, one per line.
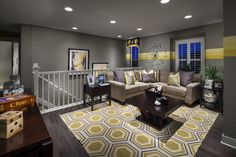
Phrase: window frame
pixel 188 42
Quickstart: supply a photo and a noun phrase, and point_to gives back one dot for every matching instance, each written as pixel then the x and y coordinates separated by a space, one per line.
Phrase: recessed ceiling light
pixel 112 21
pixel 68 9
pixel 119 36
pixel 165 1
pixel 188 16
pixel 139 29
pixel 74 28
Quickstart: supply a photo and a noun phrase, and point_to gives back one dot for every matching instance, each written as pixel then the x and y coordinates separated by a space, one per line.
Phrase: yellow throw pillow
pixel 138 75
pixel 156 74
pixel 129 78
pixel 174 79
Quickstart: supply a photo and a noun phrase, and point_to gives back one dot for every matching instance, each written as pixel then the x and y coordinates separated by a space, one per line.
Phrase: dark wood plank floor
pixel 66 145
pixel 211 146
pixel 64 142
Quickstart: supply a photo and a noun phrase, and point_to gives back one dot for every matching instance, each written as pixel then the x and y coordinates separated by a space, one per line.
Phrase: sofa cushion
pixel 197 78
pixel 138 75
pixel 180 91
pixel 149 77
pixel 129 77
pixel 109 76
pixel 186 77
pixel 164 85
pixel 142 86
pixel 119 75
pixel 157 75
pixel 164 75
pixel 174 79
pixel 131 88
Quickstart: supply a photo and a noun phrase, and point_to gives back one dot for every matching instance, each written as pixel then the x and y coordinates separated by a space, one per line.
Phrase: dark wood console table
pixel 33 141
pixel 97 90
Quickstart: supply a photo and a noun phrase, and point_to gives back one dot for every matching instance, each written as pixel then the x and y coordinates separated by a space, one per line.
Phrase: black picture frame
pixel 83 63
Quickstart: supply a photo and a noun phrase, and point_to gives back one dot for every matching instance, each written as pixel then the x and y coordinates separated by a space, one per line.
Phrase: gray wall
pixel 49 48
pixel 229 130
pixel 5 61
pixel 213 37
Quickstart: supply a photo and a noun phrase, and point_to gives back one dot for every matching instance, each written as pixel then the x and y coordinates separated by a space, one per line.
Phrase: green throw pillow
pixel 174 79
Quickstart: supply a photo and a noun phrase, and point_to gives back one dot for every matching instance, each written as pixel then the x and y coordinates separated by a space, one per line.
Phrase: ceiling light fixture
pixel 188 16
pixel 69 9
pixel 74 28
pixel 164 1
pixel 119 36
pixel 112 21
pixel 139 29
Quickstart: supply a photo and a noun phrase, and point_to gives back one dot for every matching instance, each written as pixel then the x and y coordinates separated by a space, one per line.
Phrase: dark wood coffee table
pixel 97 90
pixel 152 114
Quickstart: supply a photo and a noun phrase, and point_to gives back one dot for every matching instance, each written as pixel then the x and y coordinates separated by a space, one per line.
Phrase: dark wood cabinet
pixel 33 141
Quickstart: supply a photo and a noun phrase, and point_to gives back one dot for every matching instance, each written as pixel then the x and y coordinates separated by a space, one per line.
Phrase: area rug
pixel 113 131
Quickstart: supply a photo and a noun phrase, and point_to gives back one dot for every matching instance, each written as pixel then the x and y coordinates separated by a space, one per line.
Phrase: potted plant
pixel 212 76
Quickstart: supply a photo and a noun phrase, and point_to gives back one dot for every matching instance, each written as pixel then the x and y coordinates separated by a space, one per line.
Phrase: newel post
pixel 36 68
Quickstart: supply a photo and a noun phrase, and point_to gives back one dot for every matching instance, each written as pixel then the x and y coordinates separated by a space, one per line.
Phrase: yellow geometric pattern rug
pixel 113 131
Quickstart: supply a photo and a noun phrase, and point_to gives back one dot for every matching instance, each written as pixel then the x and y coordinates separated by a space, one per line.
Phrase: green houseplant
pixel 211 72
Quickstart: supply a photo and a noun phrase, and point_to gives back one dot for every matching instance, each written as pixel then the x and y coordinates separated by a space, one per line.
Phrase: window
pixel 134 52
pixel 190 52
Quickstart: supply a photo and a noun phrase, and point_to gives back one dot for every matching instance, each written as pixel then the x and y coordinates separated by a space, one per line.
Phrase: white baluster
pixel 59 82
pixel 64 88
pixel 48 103
pixel 43 101
pixel 72 88
pixel 54 98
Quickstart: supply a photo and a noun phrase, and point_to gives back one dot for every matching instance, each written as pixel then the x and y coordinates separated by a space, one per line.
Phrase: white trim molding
pixel 228 141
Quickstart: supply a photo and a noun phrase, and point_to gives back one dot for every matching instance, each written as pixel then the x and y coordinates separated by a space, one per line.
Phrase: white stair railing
pixel 59 89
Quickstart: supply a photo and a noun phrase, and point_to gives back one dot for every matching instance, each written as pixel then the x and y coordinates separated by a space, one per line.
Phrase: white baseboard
pixel 228 141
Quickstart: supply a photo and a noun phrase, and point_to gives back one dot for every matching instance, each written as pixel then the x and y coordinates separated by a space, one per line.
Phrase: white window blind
pixel 190 52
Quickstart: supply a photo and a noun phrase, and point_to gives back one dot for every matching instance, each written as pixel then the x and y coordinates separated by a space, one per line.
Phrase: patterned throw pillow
pixel 129 77
pixel 174 79
pixel 119 75
pixel 149 78
pixel 155 72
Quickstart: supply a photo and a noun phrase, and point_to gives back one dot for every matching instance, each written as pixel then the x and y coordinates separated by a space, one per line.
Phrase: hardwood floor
pixel 64 142
pixel 211 146
pixel 66 145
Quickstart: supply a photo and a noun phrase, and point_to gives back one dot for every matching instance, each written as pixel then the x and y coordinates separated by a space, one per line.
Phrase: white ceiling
pixel 93 16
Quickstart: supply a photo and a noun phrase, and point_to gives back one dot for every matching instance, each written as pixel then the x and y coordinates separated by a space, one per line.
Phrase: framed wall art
pixel 78 59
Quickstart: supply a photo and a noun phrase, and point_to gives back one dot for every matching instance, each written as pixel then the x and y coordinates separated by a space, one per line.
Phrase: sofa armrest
pixel 116 83
pixel 118 90
pixel 193 92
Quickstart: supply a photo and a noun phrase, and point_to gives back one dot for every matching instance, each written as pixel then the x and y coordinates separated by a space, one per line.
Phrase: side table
pixel 97 90
pixel 218 104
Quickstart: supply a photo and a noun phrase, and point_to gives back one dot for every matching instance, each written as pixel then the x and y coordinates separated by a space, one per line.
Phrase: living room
pixel 70 57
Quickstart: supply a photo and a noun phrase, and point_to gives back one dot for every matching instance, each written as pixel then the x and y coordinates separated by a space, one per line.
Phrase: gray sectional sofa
pixel 189 94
